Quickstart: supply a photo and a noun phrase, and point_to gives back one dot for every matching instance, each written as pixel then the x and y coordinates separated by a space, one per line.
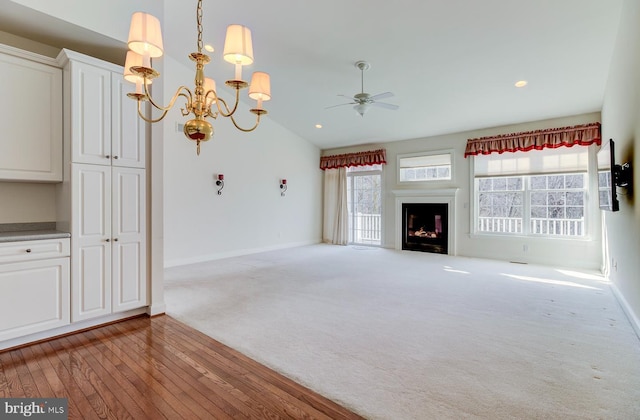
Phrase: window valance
pixel 582 135
pixel 373 157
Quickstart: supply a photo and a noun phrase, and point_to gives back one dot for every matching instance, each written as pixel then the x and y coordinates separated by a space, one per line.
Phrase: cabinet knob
pixel 108 240
pixel 107 156
pixel 115 239
pixel 115 157
pixel 28 249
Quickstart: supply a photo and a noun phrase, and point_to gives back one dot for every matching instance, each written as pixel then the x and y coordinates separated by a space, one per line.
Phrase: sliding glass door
pixel 364 201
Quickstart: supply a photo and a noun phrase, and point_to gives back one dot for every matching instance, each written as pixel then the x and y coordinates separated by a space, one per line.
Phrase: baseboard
pixel 235 253
pixel 633 318
pixel 69 329
pixel 156 309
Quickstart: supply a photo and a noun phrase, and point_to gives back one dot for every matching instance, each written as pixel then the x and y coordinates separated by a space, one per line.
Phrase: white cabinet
pixel 128 130
pixel 103 122
pixel 34 287
pixel 103 203
pixel 30 117
pixel 108 240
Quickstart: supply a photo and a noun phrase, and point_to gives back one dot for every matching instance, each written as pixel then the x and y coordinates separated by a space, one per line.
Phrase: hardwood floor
pixel 154 368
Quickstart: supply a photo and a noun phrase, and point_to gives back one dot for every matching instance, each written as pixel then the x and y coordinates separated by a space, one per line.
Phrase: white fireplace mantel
pixel 441 192
pixel 441 195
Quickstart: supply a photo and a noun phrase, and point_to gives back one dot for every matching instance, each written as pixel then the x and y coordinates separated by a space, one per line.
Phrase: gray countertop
pixel 12 232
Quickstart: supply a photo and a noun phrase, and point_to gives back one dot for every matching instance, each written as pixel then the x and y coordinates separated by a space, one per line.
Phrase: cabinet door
pixel 129 239
pixel 31 120
pixel 90 114
pixel 34 297
pixel 127 128
pixel 90 242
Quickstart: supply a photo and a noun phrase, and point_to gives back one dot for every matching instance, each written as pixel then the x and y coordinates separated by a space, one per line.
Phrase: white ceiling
pixel 451 64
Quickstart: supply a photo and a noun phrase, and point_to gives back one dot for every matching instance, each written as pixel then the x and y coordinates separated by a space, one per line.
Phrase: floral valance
pixel 581 135
pixel 373 157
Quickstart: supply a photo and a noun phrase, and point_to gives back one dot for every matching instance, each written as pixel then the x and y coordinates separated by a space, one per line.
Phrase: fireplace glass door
pixel 425 227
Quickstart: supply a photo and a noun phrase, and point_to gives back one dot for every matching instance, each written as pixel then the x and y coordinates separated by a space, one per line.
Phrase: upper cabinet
pixel 102 123
pixel 30 117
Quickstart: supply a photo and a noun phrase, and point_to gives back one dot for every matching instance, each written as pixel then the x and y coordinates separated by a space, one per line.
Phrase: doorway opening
pixel 364 202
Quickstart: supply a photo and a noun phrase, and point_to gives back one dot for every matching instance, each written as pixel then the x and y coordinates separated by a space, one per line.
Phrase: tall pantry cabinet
pixel 102 200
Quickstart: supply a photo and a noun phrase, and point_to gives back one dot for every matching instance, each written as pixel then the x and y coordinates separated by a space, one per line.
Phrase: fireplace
pixel 436 196
pixel 425 227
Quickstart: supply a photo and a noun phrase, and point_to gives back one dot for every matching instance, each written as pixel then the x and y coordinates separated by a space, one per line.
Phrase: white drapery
pixel 335 226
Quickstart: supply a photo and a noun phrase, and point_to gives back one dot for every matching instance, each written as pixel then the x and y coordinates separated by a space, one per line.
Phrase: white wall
pixel 25 44
pixel 621 122
pixel 26 202
pixel 250 215
pixel 578 254
pixel 109 18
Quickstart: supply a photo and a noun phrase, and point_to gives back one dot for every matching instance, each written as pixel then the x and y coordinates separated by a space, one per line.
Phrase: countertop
pixel 12 232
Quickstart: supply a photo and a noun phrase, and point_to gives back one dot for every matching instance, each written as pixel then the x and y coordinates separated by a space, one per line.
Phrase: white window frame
pixel 590 211
pixel 427 182
pixel 526 217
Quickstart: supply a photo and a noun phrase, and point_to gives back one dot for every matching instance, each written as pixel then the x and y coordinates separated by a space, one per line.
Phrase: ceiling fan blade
pixel 385 105
pixel 333 106
pixel 347 96
pixel 383 95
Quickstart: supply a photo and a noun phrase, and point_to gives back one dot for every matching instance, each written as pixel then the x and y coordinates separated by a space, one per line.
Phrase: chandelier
pixel 145 42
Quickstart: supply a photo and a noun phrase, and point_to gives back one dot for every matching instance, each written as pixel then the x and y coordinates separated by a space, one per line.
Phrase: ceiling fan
pixel 362 101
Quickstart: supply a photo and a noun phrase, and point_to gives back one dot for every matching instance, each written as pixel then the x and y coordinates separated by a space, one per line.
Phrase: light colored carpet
pixel 410 335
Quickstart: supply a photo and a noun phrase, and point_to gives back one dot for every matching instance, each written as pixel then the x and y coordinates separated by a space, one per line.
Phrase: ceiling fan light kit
pixel 363 101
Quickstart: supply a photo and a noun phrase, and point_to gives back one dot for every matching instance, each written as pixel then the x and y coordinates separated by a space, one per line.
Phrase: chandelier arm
pixel 178 93
pixel 215 99
pixel 229 112
pixel 150 120
pixel 189 105
pixel 246 130
pixel 211 114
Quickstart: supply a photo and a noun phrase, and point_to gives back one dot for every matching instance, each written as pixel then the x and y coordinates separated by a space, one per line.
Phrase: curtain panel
pixel 335 223
pixel 581 135
pixel 373 157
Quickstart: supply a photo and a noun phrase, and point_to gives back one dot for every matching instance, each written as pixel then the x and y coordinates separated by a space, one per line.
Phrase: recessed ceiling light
pixel 318 125
pixel 521 83
pixel 208 47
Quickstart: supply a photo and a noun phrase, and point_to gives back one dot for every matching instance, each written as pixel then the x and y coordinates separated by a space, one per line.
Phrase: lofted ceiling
pixel 451 64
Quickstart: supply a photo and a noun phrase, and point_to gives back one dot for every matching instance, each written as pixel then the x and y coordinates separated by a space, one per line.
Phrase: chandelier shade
pixel 260 88
pixel 145 35
pixel 238 48
pixel 133 60
pixel 202 102
pixel 209 86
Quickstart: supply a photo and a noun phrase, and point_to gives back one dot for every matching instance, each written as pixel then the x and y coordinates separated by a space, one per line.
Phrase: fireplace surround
pixel 441 198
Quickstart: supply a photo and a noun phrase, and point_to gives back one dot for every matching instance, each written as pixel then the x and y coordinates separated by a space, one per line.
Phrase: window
pixel 364 203
pixel 551 204
pixel 428 166
pixel 532 193
pixel 500 202
pixel 558 204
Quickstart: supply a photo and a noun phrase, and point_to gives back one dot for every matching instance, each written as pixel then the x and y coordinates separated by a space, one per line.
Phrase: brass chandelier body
pixel 199 102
